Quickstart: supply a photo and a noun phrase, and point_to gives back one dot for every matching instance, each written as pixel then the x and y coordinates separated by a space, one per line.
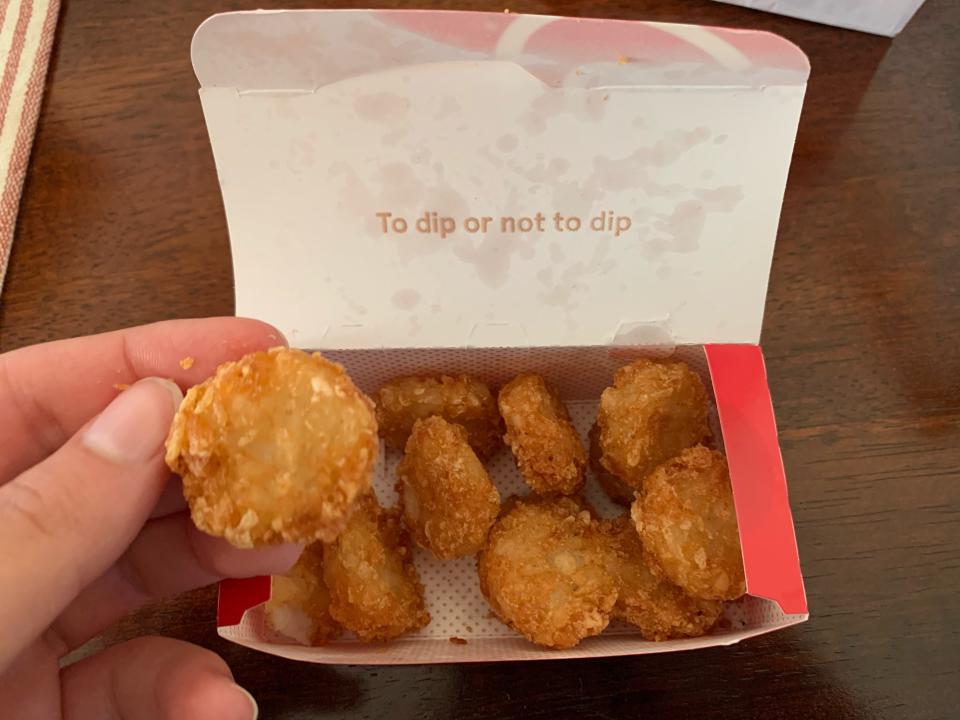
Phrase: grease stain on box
pixel 382 107
pixel 507 143
pixel 405 299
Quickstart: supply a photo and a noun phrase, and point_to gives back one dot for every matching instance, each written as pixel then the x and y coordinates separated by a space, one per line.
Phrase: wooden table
pixel 122 223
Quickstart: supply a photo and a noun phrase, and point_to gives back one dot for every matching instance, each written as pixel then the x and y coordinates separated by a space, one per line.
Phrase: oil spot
pixel 420 156
pixel 400 185
pixel 448 106
pixel 541 172
pixel 663 272
pixel 436 308
pixel 561 294
pixel 395 135
pixel 720 139
pixel 556 252
pixel 507 143
pixel 406 298
pixel 655 189
pixel 493 159
pixel 684 225
pixel 380 107
pixel 653 249
pixel 722 199
pixel 544 107
pixel 491 256
pixel 301 154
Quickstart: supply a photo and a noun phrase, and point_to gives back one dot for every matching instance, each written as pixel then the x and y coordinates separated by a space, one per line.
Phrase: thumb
pixel 65 521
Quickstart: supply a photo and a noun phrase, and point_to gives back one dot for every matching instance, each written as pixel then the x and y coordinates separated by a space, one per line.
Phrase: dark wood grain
pixel 121 223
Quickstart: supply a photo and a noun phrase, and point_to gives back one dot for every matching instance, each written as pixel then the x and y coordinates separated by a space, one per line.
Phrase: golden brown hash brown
pixel 660 609
pixel 375 589
pixel 687 522
pixel 273 448
pixel 655 409
pixel 299 604
pixel 460 399
pixel 446 496
pixel 544 571
pixel 548 451
pixel 615 488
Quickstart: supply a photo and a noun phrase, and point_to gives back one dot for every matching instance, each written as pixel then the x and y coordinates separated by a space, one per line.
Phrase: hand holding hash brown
pixel 615 488
pixel 299 604
pixel 272 448
pixel 655 409
pixel 548 451
pixel 544 571
pixel 446 496
pixel 459 399
pixel 375 590
pixel 688 525
pixel 660 609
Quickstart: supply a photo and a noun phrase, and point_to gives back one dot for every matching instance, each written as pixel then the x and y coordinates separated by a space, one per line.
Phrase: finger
pixel 169 556
pixel 65 521
pixel 30 689
pixel 154 678
pixel 47 392
pixel 171 499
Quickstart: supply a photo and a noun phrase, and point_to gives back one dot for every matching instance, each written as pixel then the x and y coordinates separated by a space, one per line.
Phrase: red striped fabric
pixel 26 36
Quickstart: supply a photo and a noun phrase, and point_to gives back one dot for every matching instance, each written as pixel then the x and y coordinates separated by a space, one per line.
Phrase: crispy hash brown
pixel 656 606
pixel 655 409
pixel 548 451
pixel 446 496
pixel 615 488
pixel 687 522
pixel 299 604
pixel 460 399
pixel 375 589
pixel 273 448
pixel 544 571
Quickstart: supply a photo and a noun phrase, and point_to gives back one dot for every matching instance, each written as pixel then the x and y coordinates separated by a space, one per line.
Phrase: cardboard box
pixel 411 191
pixel 886 17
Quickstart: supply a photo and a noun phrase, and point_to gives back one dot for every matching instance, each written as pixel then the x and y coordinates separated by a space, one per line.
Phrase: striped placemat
pixel 26 35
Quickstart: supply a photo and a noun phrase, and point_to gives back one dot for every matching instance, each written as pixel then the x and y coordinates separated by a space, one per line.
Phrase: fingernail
pixel 279 338
pixel 134 426
pixel 275 559
pixel 253 702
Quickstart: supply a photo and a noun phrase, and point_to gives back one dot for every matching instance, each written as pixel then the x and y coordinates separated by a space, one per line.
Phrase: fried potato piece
pixel 687 522
pixel 660 609
pixel 548 451
pixel 273 448
pixel 446 496
pixel 375 589
pixel 460 399
pixel 655 409
pixel 544 571
pixel 615 488
pixel 299 604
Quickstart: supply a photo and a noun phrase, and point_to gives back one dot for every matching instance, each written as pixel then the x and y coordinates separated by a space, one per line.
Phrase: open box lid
pixel 359 153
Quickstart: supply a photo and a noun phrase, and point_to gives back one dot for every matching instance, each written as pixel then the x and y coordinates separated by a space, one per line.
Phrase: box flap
pixel 422 178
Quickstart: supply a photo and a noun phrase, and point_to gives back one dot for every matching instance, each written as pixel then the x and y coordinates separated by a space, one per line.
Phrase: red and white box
pixel 418 191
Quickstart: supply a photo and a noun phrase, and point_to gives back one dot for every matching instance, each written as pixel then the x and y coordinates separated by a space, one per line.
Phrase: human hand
pixel 93 525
